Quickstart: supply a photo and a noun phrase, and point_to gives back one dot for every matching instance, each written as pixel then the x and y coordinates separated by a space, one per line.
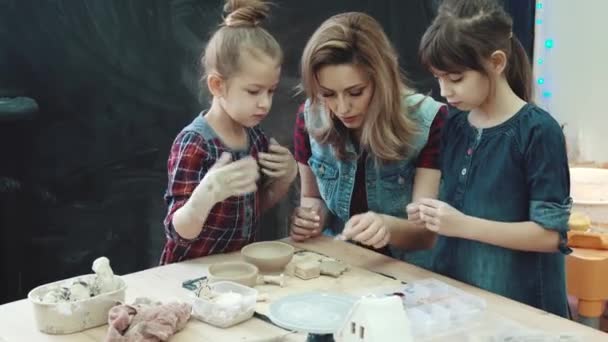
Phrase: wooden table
pixel 164 283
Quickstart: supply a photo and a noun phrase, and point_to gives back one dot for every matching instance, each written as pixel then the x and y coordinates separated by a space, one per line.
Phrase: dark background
pixel 92 93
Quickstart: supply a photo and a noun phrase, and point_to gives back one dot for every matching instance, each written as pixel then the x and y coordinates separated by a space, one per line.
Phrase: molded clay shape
pixel 308 270
pixel 332 268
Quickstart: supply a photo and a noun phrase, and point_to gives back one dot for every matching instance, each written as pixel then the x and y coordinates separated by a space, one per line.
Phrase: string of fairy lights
pixel 542 53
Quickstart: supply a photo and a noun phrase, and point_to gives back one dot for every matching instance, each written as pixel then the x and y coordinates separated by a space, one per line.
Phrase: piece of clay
pixel 104 276
pixel 57 295
pixel 340 237
pixel 332 268
pixel 262 297
pixel 228 299
pixel 307 270
pixel 85 287
pixel 274 280
pixel 304 256
pixel 290 269
pixel 79 291
pixel 205 291
pixel 301 257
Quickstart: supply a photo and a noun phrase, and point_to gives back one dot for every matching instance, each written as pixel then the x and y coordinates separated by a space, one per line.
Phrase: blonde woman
pixel 366 144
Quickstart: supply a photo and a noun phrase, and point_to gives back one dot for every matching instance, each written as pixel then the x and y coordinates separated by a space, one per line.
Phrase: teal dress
pixel 514 172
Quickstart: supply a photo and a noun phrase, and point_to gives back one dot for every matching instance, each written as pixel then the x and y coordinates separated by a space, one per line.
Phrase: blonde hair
pixel 240 32
pixel 388 131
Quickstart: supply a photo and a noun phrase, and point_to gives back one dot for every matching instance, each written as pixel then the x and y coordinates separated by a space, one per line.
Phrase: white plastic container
pixel 224 315
pixel 446 307
pixel 589 191
pixel 435 308
pixel 71 317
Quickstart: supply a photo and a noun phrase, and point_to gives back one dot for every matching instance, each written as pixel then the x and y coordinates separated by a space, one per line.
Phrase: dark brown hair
pixel 465 33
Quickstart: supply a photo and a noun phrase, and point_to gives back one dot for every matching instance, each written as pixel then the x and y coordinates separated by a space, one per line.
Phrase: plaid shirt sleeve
pixel 186 166
pixel 429 156
pixel 301 139
pixel 231 223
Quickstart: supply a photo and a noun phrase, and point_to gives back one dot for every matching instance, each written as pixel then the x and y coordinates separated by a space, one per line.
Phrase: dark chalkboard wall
pixel 109 84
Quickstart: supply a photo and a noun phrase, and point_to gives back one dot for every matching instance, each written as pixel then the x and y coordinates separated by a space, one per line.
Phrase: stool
pixel 587 280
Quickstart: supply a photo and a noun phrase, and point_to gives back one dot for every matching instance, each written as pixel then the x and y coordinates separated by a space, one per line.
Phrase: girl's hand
pixel 442 218
pixel 227 178
pixel 278 162
pixel 368 228
pixel 413 214
pixel 305 223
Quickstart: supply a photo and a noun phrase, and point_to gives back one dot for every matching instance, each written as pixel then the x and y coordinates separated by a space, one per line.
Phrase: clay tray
pixel 76 316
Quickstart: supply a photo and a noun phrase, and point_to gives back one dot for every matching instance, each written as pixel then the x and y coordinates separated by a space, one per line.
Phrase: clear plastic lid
pixel 434 307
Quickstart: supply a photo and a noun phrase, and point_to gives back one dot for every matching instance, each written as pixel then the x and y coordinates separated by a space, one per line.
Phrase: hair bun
pixel 245 13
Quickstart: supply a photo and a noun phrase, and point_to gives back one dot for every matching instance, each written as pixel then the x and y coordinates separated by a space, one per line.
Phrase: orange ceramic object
pixel 587 267
pixel 591 240
pixel 587 279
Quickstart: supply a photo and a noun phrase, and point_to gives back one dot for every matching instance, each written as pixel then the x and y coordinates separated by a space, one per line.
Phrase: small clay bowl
pixel 237 271
pixel 268 256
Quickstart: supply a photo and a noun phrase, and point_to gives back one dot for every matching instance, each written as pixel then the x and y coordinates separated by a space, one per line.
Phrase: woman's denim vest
pixel 388 186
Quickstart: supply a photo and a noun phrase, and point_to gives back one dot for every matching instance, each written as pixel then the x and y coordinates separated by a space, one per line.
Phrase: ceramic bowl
pixel 268 256
pixel 237 271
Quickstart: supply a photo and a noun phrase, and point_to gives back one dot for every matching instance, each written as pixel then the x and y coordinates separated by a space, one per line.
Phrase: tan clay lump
pixel 307 270
pixel 332 268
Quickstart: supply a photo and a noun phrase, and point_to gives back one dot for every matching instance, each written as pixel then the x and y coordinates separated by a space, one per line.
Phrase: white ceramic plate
pixel 315 312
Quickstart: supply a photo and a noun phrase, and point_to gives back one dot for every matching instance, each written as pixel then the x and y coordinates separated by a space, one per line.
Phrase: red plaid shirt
pixel 231 224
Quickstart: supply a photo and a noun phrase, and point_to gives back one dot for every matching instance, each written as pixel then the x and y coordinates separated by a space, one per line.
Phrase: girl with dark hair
pixel 504 201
